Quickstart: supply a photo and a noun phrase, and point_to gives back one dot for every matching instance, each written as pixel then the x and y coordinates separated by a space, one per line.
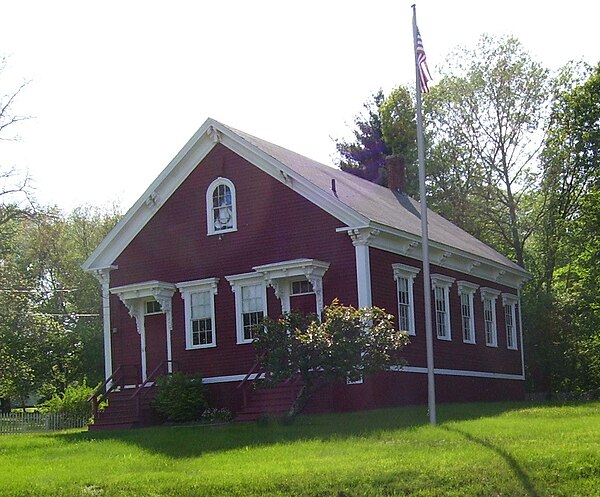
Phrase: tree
pixel 365 157
pixel 55 246
pixel 483 118
pixel 388 128
pixel 14 188
pixel 566 245
pixel 569 161
pixel 347 344
pixel 50 310
pixel 399 131
pixel 35 349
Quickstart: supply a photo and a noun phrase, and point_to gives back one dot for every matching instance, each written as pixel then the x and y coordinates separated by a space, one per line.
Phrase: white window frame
pixel 442 283
pixel 489 295
pixel 466 291
pixel 187 289
pixel 295 294
pixel 153 313
pixel 408 274
pixel 210 223
pixel 238 282
pixel 509 301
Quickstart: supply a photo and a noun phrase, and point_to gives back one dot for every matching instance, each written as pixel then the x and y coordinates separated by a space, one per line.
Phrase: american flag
pixel 424 75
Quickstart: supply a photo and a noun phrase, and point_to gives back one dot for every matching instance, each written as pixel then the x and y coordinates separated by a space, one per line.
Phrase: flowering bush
pixel 215 415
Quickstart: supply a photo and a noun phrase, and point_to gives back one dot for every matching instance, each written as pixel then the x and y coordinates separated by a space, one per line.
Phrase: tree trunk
pixel 5 406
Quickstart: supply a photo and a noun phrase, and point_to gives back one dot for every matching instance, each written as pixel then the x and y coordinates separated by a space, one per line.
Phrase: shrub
pixel 180 397
pixel 72 403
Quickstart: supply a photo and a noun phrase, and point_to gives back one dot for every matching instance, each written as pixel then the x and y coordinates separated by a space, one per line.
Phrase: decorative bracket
pixel 213 134
pixel 362 236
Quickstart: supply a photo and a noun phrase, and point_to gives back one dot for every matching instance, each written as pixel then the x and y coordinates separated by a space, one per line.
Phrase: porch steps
pixel 122 412
pixel 273 401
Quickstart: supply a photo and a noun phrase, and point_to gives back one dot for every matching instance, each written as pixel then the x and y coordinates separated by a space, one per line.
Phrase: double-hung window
pixel 466 290
pixel 221 215
pixel 250 303
pixel 405 277
pixel 510 319
pixel 199 308
pixel 488 297
pixel 441 290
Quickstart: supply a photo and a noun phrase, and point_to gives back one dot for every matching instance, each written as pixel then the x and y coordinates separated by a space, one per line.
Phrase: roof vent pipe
pixel 333 188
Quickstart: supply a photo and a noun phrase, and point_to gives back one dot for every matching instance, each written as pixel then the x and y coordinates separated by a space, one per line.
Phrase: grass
pixel 498 449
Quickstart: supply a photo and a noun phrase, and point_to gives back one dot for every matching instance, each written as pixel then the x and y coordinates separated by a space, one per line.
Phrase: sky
pixel 116 88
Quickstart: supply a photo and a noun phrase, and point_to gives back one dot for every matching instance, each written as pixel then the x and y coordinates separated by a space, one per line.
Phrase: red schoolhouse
pixel 236 228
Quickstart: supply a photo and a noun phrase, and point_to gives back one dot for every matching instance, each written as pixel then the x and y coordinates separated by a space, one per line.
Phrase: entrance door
pixel 156 341
pixel 302 297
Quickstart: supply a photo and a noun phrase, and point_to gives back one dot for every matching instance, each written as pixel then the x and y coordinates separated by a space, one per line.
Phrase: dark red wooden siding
pixel 454 354
pixel 274 224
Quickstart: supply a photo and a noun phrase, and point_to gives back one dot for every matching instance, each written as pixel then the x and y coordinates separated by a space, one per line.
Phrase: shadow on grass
pixel 193 441
pixel 514 465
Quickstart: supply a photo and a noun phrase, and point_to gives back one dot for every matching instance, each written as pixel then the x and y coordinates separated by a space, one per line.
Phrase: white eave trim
pixel 144 290
pixel 409 245
pixel 193 152
pixel 292 268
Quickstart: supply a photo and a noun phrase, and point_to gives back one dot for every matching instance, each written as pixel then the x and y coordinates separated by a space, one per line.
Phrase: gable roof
pixel 357 203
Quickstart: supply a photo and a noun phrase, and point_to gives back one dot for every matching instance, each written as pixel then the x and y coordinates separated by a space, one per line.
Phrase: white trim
pixel 279 275
pixel 361 239
pixel 521 332
pixel 459 372
pixel 490 294
pixel 403 271
pixel 237 282
pixel 210 226
pixel 193 152
pixel 144 290
pixel 133 297
pixel 154 313
pixel 186 289
pixel 232 378
pixel 408 244
pixel 103 276
pixel 208 136
pixel 400 369
pixel 509 302
pixel 467 289
pixel 444 283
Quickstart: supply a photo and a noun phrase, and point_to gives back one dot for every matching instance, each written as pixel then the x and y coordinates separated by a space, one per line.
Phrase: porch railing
pixel 141 391
pixel 115 380
pixel 256 370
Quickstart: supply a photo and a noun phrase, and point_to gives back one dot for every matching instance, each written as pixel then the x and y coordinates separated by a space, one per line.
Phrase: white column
pixel 103 276
pixel 360 240
pixel 141 325
pixel 521 332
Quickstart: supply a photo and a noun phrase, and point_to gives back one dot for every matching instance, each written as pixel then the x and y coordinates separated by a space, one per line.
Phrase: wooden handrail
pixel 141 390
pixel 254 369
pixel 150 378
pixel 115 380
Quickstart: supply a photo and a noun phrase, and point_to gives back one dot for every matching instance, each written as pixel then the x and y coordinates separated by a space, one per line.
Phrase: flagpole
pixel 425 238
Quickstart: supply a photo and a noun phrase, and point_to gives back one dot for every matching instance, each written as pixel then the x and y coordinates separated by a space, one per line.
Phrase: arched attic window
pixel 221 216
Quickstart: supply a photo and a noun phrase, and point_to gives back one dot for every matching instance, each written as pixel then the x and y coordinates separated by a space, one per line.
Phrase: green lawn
pixel 476 450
